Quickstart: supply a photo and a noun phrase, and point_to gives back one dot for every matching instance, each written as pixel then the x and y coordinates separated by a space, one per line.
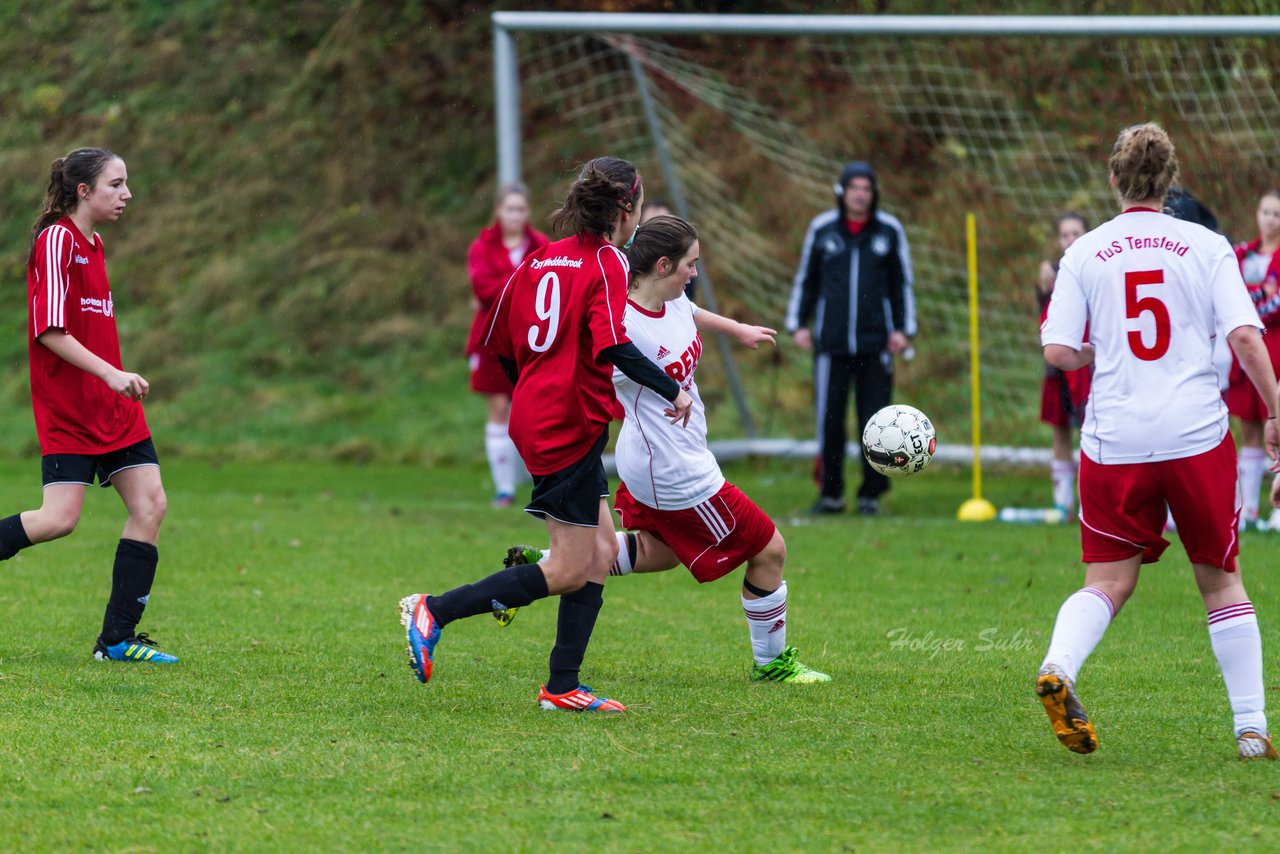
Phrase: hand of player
pixel 132 386
pixel 1271 441
pixel 898 342
pixel 804 339
pixel 754 336
pixel 680 411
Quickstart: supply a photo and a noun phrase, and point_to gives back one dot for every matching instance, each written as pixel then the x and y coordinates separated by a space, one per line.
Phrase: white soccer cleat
pixel 1252 745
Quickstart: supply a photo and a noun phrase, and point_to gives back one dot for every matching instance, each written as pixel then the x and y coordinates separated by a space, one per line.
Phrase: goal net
pixel 1016 130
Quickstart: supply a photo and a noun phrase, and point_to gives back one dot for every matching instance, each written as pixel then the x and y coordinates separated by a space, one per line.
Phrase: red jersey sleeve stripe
pixel 57 263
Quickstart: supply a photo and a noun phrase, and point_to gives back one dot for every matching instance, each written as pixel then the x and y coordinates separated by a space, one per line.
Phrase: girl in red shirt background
pixel 1260 267
pixel 88 409
pixel 492 259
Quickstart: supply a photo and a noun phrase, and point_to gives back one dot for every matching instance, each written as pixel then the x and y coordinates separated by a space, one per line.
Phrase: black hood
pixel 857 169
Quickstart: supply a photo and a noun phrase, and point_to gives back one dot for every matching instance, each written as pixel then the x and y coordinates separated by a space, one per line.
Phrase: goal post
pixel 999 114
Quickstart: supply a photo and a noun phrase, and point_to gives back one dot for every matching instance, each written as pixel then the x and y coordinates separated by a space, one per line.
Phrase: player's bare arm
pixel 1064 358
pixel 803 338
pixel 744 333
pixel 67 348
pixel 1246 343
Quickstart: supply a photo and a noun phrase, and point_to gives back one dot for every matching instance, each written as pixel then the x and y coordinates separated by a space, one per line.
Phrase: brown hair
pixel 661 237
pixel 1067 216
pixel 1143 162
pixel 512 188
pixel 66 174
pixel 605 187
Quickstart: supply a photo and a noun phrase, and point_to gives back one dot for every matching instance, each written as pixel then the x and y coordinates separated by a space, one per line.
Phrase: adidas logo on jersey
pixel 663 352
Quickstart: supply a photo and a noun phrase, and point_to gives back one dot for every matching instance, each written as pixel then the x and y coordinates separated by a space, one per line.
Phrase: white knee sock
pixel 623 565
pixel 1251 464
pixel 767 620
pixel 1063 473
pixel 1233 631
pixel 503 458
pixel 1082 621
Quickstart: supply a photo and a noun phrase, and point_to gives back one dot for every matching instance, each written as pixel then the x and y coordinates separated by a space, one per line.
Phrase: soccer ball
pixel 899 440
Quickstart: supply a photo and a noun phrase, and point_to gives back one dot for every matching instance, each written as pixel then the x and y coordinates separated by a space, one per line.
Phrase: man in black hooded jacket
pixel 852 304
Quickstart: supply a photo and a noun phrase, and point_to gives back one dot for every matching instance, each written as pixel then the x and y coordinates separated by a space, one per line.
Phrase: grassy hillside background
pixel 307 177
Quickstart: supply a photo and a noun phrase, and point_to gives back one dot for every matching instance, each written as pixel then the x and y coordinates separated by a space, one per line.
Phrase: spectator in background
pixel 852 305
pixel 494 256
pixel 1063 395
pixel 1260 267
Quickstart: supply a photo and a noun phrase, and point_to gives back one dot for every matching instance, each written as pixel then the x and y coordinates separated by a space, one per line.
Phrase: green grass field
pixel 293 723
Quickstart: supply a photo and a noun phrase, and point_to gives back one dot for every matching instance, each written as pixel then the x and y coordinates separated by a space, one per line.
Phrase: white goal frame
pixel 507 97
pixel 506 78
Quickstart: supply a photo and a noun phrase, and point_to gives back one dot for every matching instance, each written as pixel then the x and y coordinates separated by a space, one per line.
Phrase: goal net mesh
pixel 1016 130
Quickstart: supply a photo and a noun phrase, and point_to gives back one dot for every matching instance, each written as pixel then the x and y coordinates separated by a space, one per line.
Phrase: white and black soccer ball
pixel 899 440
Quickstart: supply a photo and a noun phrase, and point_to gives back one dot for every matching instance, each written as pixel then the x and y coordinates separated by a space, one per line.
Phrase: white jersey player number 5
pixel 1136 307
pixel 547 307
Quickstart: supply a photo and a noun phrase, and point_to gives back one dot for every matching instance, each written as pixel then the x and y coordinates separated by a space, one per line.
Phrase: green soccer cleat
pixel 787 667
pixel 516 555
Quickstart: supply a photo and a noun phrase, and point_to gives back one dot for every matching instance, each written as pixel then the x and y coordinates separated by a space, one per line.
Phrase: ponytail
pixel 1144 163
pixel 606 187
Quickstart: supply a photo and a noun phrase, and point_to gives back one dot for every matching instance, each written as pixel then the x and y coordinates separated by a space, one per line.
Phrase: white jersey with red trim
pixel 665 466
pixel 1154 291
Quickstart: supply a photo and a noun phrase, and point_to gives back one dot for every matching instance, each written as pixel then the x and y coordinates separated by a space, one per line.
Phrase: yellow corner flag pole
pixel 977 508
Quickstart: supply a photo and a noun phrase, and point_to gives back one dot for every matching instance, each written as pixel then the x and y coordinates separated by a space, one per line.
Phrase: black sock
pixel 506 588
pixel 751 588
pixel 131 578
pixel 632 546
pixel 13 537
pixel 578 612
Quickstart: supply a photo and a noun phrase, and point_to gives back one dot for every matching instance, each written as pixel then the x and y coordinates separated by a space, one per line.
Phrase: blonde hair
pixel 1143 162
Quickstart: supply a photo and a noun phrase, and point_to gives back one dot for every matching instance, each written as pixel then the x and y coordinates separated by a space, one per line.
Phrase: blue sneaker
pixel 423 633
pixel 137 648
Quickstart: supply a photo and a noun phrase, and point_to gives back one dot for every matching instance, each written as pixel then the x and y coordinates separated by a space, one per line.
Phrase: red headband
pixel 634 186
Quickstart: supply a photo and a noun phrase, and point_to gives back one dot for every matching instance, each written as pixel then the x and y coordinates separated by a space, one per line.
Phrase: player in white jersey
pixel 673 495
pixel 1154 290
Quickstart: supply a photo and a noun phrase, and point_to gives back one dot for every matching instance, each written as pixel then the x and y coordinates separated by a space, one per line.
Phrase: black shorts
pixel 572 495
pixel 82 468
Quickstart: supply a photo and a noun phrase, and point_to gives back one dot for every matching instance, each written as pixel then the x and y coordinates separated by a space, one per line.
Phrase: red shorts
pixel 1122 508
pixel 1243 400
pixel 1053 397
pixel 712 538
pixel 487 376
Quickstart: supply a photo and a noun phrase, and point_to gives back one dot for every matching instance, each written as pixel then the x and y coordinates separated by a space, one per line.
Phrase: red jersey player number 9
pixel 1136 306
pixel 547 307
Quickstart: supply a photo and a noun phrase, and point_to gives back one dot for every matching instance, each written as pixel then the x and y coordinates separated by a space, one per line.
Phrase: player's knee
pixel 58 524
pixel 149 510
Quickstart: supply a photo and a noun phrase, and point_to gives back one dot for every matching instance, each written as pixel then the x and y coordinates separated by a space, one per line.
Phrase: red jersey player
pixel 1062 396
pixel 494 255
pixel 88 409
pixel 558 327
pixel 1154 291
pixel 673 494
pixel 1260 267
